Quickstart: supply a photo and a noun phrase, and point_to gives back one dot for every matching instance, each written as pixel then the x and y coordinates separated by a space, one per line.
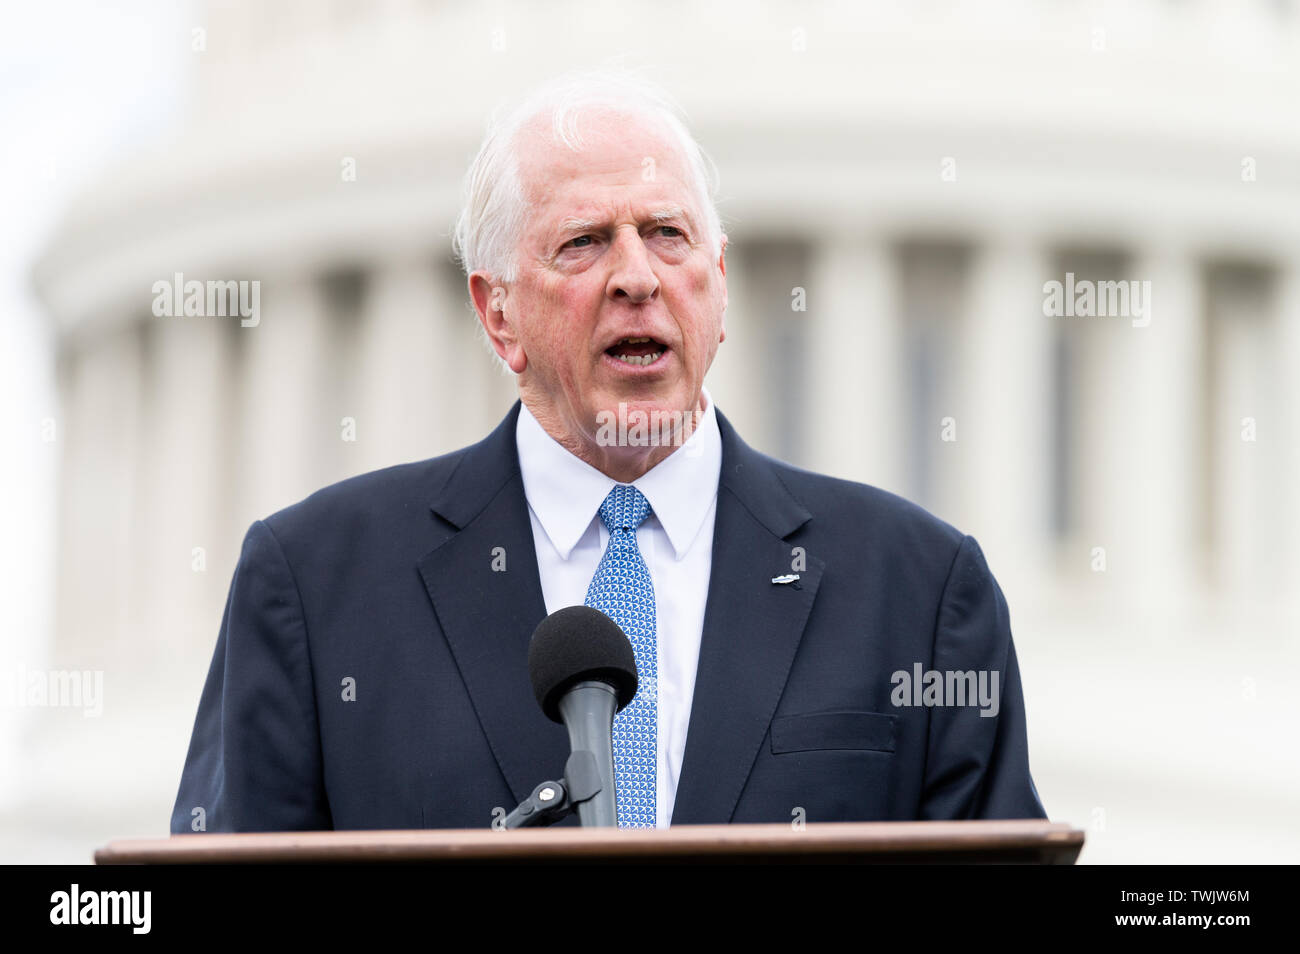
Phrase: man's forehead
pixel 609 144
pixel 568 200
pixel 598 126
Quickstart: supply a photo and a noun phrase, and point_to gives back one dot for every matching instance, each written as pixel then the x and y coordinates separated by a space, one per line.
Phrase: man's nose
pixel 631 277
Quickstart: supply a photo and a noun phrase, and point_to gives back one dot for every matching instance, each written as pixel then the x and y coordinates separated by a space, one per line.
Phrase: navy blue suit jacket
pixel 386 583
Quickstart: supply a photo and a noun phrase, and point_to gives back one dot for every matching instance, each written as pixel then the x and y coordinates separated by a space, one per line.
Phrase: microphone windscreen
pixel 576 644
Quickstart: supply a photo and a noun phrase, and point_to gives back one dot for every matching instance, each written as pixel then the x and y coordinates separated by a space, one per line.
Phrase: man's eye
pixel 673 229
pixel 580 238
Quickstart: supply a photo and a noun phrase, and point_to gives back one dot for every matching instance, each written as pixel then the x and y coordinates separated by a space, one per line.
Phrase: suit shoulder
pixel 377 496
pixel 870 509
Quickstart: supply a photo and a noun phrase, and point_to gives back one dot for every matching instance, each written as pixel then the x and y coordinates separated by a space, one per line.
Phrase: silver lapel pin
pixel 785 578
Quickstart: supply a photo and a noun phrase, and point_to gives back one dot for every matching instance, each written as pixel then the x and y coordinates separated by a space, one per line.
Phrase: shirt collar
pixel 565 492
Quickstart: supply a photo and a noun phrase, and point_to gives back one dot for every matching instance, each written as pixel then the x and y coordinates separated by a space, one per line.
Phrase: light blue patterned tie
pixel 623 591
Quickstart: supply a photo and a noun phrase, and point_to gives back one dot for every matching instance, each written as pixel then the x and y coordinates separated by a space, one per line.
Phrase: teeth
pixel 635 341
pixel 641 360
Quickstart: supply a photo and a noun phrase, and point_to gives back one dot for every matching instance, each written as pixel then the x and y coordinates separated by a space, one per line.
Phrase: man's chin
pixel 646 424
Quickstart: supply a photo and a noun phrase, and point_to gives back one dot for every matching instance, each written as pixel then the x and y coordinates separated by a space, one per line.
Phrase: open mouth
pixel 638 352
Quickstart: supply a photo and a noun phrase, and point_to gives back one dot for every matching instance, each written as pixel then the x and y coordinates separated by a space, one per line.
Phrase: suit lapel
pixel 488 614
pixel 752 629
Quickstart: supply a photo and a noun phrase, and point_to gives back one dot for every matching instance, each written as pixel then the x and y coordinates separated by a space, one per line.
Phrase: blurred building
pixel 898 184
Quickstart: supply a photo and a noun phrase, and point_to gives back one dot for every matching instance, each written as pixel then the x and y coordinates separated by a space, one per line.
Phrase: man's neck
pixel 620 459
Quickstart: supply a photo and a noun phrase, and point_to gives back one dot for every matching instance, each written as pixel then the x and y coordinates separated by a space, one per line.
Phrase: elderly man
pixel 798 638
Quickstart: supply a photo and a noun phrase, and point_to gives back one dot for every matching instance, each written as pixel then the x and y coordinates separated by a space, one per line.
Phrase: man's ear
pixel 490 302
pixel 722 267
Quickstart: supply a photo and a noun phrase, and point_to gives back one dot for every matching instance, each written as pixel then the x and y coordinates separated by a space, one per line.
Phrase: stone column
pixel 407 369
pixel 1283 490
pixel 1159 490
pixel 1005 409
pixel 736 377
pixel 186 454
pixel 286 428
pixel 1247 430
pixel 857 403
pixel 100 428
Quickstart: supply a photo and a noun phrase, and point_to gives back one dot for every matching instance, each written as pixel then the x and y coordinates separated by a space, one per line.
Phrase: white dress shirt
pixel 676 541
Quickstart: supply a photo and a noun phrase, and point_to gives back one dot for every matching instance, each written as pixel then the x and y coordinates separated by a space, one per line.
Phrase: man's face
pixel 613 252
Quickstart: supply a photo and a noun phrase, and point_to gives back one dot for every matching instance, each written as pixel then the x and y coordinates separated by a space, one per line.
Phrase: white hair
pixel 494 213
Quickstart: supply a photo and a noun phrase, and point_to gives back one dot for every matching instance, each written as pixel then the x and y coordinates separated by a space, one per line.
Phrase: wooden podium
pixel 999 842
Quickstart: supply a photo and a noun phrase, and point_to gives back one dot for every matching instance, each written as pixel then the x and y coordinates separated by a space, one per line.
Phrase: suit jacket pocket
pixel 811 731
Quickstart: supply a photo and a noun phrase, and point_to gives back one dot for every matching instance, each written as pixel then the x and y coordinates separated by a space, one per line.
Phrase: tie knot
pixel 624 508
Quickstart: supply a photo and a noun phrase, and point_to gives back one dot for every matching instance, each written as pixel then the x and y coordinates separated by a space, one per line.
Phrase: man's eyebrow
pixel 662 214
pixel 668 212
pixel 577 225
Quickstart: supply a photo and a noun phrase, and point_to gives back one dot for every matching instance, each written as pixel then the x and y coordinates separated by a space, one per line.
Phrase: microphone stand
pixel 552 801
pixel 587 788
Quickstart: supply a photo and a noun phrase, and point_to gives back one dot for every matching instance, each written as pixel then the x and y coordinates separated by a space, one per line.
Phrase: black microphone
pixel 583 670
